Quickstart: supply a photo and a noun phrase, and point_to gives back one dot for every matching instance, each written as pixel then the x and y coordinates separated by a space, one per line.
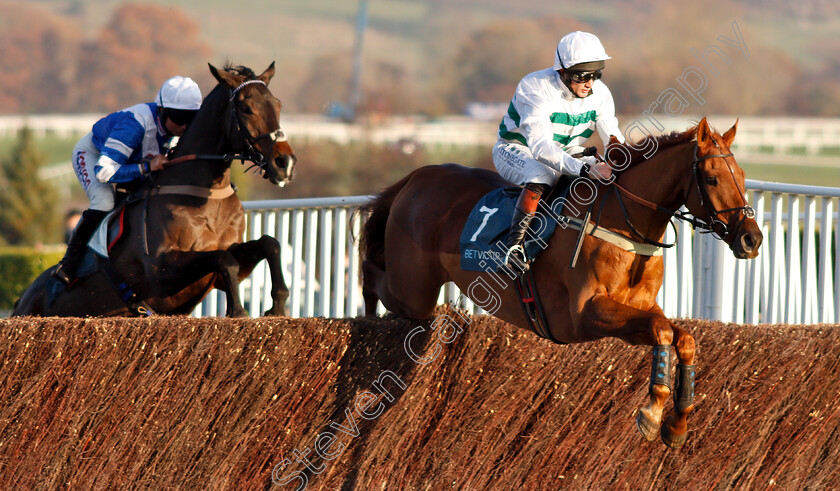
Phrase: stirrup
pixel 516 259
pixel 61 275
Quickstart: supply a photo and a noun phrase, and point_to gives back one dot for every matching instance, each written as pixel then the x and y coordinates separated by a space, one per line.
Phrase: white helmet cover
pixel 578 47
pixel 179 93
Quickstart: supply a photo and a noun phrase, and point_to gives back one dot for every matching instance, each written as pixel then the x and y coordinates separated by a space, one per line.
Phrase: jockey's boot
pixel 526 208
pixel 66 270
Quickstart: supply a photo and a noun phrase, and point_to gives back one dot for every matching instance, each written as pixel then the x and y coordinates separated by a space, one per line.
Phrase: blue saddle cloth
pixel 89 263
pixel 482 240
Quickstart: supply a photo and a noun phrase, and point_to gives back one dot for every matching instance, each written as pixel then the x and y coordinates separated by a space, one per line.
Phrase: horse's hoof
pixel 647 426
pixel 275 312
pixel 671 439
pixel 238 313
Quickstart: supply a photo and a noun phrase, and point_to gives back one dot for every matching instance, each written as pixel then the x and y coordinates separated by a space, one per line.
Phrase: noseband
pixel 251 153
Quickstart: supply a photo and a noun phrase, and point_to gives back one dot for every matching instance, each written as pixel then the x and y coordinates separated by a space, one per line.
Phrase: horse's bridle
pixel 251 153
pixel 746 211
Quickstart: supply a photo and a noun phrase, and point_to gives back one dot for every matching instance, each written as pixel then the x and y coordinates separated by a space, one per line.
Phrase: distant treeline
pixel 674 58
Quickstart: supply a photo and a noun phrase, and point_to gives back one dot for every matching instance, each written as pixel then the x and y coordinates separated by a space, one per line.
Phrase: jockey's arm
pixel 113 165
pixel 606 123
pixel 535 125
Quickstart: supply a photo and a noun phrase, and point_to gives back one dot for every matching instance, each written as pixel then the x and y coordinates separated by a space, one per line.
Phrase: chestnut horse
pixel 410 247
pixel 185 237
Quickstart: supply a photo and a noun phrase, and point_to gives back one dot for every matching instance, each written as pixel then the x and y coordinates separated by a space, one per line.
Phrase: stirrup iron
pixel 516 259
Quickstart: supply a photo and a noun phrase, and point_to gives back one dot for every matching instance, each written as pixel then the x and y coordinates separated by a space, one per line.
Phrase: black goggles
pixel 180 117
pixel 583 77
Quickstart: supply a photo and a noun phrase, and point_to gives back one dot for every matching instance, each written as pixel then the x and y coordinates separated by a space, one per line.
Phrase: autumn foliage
pixel 50 65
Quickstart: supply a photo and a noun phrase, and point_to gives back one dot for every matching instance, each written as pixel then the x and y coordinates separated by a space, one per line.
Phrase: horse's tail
pixel 372 239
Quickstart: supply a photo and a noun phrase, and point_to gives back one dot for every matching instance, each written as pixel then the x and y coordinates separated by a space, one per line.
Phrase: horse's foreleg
pixel 248 254
pixel 604 317
pixel 180 269
pixel 674 429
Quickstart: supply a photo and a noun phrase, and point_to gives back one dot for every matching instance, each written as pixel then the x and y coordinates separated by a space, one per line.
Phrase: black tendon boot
pixel 66 270
pixel 526 208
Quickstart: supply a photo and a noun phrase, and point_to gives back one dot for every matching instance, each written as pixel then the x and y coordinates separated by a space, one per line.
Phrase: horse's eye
pixel 711 181
pixel 247 110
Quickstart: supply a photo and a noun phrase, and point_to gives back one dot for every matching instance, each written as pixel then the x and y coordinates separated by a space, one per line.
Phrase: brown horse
pixel 410 247
pixel 184 238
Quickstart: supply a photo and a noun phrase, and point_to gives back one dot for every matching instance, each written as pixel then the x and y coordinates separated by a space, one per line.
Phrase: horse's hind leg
pixel 179 269
pixel 674 429
pixel 405 292
pixel 250 253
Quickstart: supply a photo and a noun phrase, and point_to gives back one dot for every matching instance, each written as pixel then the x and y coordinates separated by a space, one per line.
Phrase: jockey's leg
pixel 76 246
pixel 101 196
pixel 248 254
pixel 523 214
pixel 516 164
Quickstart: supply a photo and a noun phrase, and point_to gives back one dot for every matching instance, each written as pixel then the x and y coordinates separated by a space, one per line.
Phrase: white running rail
pixel 792 281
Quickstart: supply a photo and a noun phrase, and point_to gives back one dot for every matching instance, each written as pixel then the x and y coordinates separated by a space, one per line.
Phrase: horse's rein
pixel 227 157
pixel 619 190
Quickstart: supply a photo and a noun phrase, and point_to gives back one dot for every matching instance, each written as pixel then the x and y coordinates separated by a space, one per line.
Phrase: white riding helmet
pixel 580 47
pixel 179 93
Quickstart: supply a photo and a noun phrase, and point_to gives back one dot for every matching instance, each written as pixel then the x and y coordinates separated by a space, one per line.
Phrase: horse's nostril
pixel 287 164
pixel 747 242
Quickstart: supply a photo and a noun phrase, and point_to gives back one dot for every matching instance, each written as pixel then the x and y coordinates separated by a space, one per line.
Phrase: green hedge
pixel 19 266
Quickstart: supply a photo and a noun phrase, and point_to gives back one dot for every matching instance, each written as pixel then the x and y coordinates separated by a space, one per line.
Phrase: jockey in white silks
pixel 552 112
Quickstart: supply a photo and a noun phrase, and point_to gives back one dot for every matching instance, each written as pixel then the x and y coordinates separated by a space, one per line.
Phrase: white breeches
pixel 85 156
pixel 516 164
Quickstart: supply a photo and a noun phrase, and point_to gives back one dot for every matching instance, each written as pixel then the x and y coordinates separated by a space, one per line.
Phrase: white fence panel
pixel 792 280
pixel 318 256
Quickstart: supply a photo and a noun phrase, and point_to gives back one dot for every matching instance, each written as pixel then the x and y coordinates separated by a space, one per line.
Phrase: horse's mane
pixel 240 70
pixel 639 149
pixel 236 69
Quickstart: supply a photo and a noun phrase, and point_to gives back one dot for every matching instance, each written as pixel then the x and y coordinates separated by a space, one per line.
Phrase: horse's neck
pixel 204 138
pixel 664 180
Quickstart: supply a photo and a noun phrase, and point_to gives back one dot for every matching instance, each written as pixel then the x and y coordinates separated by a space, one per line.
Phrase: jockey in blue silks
pixel 125 146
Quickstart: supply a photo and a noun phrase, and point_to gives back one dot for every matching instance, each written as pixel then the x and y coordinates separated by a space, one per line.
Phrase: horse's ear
pixel 703 131
pixel 267 74
pixel 729 136
pixel 223 77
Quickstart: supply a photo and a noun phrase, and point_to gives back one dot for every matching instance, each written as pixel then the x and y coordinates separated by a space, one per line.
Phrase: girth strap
pixel 615 239
pixel 532 307
pixel 197 191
